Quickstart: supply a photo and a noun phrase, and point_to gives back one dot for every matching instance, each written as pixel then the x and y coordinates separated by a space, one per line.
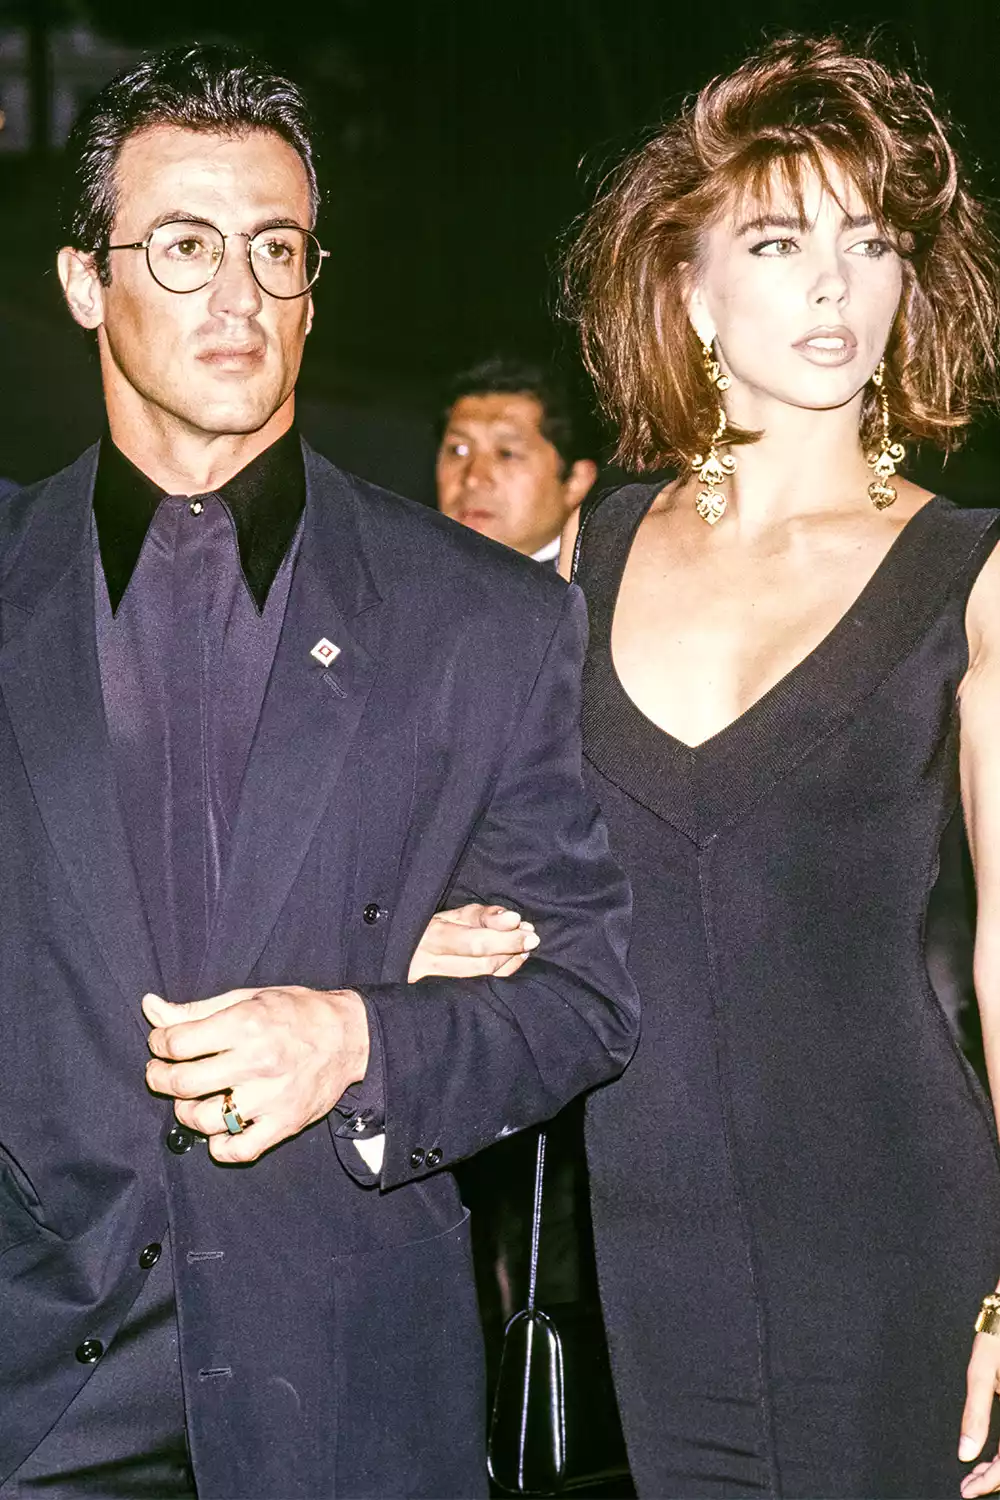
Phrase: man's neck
pixel 185 462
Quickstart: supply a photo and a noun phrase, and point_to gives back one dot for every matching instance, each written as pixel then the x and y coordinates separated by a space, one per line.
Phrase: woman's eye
pixel 775 249
pixel 871 249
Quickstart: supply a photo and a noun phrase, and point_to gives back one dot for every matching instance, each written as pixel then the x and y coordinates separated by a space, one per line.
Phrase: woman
pixel 794 653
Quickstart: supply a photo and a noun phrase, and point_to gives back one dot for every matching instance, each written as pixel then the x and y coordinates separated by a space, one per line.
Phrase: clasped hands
pixel 288 1052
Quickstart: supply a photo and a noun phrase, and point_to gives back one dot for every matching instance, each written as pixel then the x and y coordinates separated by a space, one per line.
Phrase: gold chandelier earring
pixel 715 468
pixel 883 459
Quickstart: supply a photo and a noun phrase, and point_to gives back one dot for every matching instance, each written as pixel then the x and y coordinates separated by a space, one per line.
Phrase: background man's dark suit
pixel 328 1331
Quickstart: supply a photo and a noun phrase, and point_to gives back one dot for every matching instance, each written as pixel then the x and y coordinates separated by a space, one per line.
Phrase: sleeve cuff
pixel 361 1107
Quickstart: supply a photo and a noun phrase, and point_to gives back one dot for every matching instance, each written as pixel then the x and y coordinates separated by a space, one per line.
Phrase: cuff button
pixel 433 1158
pixel 416 1159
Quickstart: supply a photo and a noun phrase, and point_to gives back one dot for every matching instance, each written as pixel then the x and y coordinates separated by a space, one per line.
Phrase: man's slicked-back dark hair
pixel 210 87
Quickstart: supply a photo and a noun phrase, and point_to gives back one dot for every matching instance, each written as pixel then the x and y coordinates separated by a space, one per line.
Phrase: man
pixel 512 462
pixel 7 487
pixel 257 721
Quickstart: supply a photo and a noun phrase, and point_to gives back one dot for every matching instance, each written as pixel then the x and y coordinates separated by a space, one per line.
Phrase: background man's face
pixel 498 474
pixel 223 359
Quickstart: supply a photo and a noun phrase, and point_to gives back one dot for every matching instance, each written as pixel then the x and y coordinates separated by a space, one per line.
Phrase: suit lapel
pixel 308 722
pixel 50 683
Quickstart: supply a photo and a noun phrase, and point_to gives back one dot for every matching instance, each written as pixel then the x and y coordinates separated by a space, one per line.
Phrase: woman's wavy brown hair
pixel 797 104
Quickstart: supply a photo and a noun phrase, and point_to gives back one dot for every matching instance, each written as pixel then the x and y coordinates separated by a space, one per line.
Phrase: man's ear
pixel 578 482
pixel 81 286
pixel 310 314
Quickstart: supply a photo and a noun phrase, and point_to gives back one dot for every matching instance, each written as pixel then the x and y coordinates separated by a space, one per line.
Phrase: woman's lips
pixel 828 346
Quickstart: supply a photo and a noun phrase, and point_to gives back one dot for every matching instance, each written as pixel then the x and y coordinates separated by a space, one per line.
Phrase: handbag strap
pixel 536 1219
pixel 589 506
pixel 586 513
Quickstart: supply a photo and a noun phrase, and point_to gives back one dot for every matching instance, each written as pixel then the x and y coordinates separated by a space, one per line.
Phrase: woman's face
pixel 801 308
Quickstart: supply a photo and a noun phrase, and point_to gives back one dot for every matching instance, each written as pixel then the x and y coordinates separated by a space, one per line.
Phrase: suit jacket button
pixel 149 1256
pixel 179 1139
pixel 416 1159
pixel 90 1351
pixel 371 913
pixel 433 1158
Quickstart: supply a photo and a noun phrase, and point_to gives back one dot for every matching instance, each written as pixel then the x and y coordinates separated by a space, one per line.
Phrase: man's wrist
pixel 355 1041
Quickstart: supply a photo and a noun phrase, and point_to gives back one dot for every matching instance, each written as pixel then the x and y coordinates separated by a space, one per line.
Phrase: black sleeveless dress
pixel 796 1187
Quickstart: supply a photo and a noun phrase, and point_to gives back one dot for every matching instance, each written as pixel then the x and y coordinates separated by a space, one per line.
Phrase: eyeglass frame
pixel 237 234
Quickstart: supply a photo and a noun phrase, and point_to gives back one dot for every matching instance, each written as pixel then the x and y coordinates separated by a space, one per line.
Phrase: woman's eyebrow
pixel 773 221
pixel 798 223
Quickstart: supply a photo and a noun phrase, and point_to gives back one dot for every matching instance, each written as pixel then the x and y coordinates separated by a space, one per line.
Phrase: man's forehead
pixel 519 411
pixel 167 168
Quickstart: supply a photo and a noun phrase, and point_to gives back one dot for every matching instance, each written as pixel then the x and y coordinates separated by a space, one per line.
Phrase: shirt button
pixel 149 1256
pixel 196 507
pixel 433 1158
pixel 416 1158
pixel 90 1351
pixel 371 913
pixel 179 1140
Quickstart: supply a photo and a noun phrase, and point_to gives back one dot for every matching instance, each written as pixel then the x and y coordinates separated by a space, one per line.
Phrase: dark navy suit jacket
pixel 329 1342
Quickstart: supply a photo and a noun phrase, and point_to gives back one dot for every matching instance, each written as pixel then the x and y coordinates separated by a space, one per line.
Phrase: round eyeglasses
pixel 184 256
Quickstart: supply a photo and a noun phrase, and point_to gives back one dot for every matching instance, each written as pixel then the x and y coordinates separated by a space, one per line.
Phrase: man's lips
pixel 232 356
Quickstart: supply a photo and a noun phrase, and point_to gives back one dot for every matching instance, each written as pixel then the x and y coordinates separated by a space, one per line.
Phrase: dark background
pixel 457 144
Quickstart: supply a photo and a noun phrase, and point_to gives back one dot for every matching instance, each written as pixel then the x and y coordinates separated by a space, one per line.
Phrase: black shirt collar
pixel 265 500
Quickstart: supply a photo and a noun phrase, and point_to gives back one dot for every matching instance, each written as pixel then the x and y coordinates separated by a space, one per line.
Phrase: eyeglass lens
pixel 184 257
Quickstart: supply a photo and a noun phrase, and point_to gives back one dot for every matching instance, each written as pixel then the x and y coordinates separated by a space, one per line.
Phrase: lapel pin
pixel 325 652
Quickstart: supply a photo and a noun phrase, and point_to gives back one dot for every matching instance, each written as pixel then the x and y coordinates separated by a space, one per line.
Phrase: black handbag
pixel 555 1425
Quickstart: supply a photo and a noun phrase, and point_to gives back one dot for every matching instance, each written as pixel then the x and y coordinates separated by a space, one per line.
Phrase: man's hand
pixel 287 1053
pixel 474 940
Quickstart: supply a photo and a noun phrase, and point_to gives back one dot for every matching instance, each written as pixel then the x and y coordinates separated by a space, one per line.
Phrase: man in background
pixel 515 457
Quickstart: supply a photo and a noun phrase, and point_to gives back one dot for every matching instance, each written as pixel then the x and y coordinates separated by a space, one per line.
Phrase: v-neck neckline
pixel 702 788
pixel 828 641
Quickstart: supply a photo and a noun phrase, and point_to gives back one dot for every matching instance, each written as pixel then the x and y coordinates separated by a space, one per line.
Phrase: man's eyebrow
pixel 184 216
pixel 180 216
pixel 280 223
pixel 798 223
pixel 504 429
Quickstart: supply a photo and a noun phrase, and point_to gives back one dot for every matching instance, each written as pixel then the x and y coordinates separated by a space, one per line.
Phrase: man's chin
pixel 229 416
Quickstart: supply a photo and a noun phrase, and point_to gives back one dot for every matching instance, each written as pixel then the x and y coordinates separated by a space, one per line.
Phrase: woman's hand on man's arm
pixel 471 941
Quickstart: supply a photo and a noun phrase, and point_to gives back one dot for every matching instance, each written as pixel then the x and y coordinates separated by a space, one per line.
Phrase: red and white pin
pixel 325 652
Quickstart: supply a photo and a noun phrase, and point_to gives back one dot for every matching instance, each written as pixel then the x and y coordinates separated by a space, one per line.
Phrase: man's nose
pixel 478 470
pixel 233 289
